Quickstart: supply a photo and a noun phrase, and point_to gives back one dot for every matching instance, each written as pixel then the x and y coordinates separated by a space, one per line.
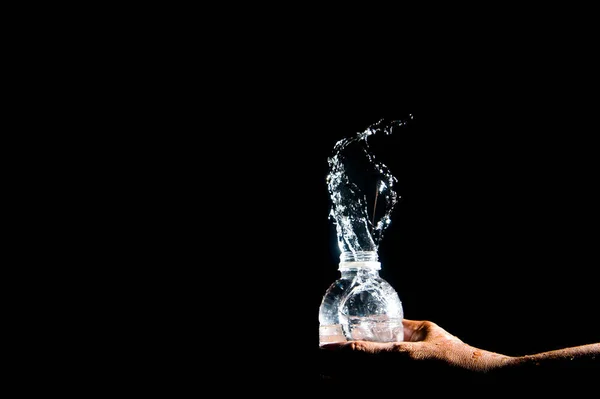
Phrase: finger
pixel 333 345
pixel 361 346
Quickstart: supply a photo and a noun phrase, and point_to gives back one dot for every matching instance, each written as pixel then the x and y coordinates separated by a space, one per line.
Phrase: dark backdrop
pixel 494 238
pixel 205 206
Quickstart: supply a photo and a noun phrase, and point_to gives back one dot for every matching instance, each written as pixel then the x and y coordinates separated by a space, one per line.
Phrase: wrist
pixel 482 361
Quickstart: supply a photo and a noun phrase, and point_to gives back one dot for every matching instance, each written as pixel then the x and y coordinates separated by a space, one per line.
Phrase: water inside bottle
pixel 331 333
pixel 379 328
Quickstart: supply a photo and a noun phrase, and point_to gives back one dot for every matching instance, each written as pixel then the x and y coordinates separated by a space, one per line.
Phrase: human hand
pixel 429 353
pixel 426 341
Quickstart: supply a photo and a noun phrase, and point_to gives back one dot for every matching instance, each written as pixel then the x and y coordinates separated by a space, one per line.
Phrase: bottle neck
pixel 359 260
pixel 361 272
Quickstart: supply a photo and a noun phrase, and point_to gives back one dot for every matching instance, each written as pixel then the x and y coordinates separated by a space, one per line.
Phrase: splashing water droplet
pixel 361 189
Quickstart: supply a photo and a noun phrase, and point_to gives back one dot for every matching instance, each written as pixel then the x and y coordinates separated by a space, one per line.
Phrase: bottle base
pixel 376 329
pixel 331 334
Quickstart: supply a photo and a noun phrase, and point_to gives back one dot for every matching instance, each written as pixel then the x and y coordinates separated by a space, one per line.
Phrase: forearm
pixel 448 360
pixel 480 360
pixel 577 356
pixel 573 368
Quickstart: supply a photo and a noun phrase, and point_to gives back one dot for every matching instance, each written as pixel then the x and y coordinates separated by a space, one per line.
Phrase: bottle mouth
pixel 359 259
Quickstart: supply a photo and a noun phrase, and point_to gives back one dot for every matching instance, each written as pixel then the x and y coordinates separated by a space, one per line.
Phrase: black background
pixel 191 184
pixel 494 238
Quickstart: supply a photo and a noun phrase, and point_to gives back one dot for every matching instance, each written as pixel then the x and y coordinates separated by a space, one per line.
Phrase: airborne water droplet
pixel 361 189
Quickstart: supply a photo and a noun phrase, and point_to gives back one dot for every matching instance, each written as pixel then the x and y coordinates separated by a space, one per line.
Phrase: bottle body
pixel 360 305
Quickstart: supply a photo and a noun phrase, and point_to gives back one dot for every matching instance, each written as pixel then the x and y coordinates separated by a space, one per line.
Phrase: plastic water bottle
pixel 360 305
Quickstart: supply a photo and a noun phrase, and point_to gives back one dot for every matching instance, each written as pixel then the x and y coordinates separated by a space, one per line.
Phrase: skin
pixel 426 341
pixel 430 358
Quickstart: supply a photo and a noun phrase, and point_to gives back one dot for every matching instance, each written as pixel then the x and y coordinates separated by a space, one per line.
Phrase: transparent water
pixel 361 189
pixel 380 328
pixel 360 305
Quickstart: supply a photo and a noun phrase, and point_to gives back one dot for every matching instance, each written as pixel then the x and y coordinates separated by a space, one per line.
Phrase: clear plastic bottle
pixel 360 305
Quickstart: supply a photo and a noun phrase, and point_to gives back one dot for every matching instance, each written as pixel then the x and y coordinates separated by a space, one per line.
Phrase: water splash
pixel 362 190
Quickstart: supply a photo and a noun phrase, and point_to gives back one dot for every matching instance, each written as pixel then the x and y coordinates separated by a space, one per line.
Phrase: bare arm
pixel 425 340
pixel 573 355
pixel 427 348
